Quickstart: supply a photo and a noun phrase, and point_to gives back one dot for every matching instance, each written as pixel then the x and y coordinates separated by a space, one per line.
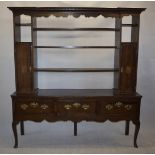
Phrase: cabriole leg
pixel 127 125
pixel 22 127
pixel 137 127
pixel 14 128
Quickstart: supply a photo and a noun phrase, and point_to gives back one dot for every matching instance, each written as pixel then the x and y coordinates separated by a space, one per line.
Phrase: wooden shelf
pixel 23 24
pixel 75 69
pixel 75 29
pixel 74 47
pixel 129 25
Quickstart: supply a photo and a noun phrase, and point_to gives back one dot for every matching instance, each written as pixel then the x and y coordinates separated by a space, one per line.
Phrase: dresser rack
pixel 121 103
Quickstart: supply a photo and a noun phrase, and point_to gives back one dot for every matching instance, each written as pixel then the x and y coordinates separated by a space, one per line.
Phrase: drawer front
pixel 119 107
pixel 76 108
pixel 34 107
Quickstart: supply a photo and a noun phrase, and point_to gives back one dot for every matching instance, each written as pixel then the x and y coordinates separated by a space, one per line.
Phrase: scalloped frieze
pixel 74 14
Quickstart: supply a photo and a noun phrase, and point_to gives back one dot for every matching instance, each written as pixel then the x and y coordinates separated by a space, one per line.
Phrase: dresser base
pixel 76 106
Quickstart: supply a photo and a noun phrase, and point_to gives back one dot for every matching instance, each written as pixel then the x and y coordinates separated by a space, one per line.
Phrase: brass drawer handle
pixel 109 106
pixel 128 107
pixel 24 106
pixel 67 106
pixel 118 104
pixel 34 104
pixel 44 106
pixel 85 106
pixel 76 105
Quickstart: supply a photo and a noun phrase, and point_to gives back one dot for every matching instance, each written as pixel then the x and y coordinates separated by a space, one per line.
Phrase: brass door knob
pixel 76 105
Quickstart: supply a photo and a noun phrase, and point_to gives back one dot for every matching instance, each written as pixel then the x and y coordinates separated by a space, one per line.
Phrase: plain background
pixel 91 137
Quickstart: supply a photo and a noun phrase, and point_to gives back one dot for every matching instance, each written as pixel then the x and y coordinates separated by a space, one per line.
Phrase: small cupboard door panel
pixel 128 67
pixel 24 75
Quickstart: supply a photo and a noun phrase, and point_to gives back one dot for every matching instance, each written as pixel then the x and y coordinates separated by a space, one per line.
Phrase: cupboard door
pixel 128 67
pixel 24 75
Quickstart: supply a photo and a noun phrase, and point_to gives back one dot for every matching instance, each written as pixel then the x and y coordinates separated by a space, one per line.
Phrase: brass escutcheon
pixel 76 105
pixel 24 106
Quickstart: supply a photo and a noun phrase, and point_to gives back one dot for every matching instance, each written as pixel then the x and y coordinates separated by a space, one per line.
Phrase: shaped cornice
pixel 75 11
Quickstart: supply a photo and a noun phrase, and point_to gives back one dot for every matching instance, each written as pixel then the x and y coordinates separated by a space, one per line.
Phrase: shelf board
pixel 129 25
pixel 75 29
pixel 74 47
pixel 75 69
pixel 23 24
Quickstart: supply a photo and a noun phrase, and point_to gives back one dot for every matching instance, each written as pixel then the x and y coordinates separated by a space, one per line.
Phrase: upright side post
pixel 34 50
pixel 118 38
pixel 135 39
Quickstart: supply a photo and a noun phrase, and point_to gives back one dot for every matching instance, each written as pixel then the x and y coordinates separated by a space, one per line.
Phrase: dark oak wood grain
pixel 128 68
pixel 121 103
pixel 23 68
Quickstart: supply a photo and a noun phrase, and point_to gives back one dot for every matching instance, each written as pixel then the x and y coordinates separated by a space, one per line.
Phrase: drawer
pixel 118 107
pixel 28 106
pixel 75 108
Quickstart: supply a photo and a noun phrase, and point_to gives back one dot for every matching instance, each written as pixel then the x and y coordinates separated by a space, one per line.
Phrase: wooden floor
pixel 92 138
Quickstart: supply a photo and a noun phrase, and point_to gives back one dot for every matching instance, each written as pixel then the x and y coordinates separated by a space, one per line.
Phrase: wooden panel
pixel 24 82
pixel 128 69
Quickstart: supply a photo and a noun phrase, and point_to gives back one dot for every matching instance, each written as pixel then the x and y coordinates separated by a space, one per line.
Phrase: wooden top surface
pixel 74 9
pixel 78 93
